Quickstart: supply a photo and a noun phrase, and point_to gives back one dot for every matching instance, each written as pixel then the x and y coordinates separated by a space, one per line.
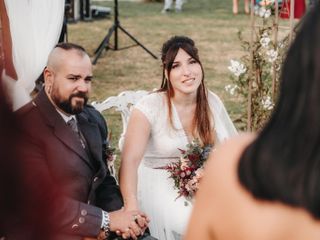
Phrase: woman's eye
pixel 175 66
pixel 193 61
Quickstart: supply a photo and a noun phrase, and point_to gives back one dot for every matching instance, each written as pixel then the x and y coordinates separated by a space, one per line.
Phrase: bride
pixel 161 123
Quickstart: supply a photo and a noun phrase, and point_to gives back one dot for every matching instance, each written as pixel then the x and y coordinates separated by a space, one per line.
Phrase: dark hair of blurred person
pixel 268 186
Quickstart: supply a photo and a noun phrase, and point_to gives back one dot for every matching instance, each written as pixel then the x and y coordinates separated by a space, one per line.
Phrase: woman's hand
pixel 128 223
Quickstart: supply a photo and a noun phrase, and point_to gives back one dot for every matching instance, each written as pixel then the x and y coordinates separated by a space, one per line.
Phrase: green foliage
pixel 209 22
pixel 261 75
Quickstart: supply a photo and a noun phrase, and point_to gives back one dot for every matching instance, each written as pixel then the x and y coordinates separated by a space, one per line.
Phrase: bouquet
pixel 188 171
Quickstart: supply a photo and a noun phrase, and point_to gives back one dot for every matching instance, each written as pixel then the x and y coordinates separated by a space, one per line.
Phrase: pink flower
pixel 199 173
pixel 188 171
pixel 184 163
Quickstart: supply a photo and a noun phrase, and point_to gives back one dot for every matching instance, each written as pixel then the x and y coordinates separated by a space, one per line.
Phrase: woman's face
pixel 186 74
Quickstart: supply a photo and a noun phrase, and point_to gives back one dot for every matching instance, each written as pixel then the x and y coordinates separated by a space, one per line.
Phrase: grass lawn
pixel 209 22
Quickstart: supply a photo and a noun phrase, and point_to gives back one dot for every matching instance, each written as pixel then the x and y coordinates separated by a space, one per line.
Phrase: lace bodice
pixel 164 140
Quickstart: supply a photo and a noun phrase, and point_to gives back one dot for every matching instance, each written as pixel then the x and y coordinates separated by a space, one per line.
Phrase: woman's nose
pixel 186 70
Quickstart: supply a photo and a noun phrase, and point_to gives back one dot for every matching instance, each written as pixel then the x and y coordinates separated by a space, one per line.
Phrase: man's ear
pixel 48 79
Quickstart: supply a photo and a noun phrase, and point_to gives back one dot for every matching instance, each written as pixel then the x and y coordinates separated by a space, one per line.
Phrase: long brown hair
pixel 202 120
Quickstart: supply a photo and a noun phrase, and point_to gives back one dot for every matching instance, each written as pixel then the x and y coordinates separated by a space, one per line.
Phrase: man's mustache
pixel 80 95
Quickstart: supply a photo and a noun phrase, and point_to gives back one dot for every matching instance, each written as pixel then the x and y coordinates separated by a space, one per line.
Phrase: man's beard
pixel 67 106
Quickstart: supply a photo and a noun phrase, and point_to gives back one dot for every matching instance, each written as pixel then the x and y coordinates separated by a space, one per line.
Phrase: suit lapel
pixel 60 128
pixel 92 135
pixel 69 138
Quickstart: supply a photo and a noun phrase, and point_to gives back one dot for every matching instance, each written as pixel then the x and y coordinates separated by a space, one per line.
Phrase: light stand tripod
pixel 114 29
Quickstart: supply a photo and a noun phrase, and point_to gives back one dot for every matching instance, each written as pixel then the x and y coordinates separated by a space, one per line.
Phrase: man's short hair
pixel 69 46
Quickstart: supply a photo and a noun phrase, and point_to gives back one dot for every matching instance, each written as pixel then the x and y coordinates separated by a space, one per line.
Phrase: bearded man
pixel 66 142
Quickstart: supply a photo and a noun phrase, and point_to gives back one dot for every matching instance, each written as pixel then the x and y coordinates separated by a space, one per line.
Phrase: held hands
pixel 128 223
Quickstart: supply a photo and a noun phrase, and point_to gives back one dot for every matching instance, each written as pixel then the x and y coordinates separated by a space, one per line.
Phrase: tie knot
pixel 73 124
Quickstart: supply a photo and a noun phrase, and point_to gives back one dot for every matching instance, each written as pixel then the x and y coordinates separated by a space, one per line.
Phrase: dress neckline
pixel 178 124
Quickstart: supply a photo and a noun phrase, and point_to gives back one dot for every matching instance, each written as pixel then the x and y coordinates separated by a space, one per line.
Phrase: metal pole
pixel 116 22
pixel 249 107
pixel 275 29
pixel 291 20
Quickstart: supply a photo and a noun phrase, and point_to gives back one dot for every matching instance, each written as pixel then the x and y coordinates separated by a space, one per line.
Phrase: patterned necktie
pixel 74 126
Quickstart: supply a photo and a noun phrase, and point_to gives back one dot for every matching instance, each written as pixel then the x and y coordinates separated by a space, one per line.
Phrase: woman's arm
pixel 136 139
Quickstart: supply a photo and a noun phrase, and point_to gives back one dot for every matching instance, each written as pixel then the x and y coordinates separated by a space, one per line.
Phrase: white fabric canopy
pixel 35 27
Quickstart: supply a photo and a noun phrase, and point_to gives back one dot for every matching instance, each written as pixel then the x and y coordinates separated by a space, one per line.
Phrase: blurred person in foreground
pixel 66 139
pixel 21 208
pixel 12 185
pixel 267 186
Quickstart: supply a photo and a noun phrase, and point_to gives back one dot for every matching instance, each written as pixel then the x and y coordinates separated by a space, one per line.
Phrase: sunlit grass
pixel 209 22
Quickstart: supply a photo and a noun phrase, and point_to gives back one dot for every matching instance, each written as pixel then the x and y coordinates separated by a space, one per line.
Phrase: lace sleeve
pixel 148 106
pixel 223 125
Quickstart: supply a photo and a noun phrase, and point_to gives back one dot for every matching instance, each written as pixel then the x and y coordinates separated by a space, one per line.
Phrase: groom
pixel 66 142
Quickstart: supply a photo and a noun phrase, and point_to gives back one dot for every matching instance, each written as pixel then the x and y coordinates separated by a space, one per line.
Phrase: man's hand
pixel 128 223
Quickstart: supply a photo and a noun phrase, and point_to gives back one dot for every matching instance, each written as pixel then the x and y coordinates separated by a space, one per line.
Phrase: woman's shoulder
pixel 221 168
pixel 229 152
pixel 214 100
pixel 151 105
pixel 213 96
pixel 152 98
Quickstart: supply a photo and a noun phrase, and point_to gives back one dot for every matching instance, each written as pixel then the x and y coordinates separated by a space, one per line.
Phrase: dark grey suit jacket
pixel 82 183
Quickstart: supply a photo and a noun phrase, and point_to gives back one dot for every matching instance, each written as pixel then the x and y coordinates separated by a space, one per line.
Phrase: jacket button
pixel 95 179
pixel 81 220
pixel 89 202
pixel 75 226
pixel 84 212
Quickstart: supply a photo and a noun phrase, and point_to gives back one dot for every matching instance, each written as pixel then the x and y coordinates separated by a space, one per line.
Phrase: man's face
pixel 71 82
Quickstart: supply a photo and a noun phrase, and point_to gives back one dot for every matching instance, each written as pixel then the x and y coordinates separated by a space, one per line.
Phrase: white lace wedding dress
pixel 157 197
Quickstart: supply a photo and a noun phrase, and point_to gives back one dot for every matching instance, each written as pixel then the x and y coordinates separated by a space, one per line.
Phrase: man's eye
pixel 73 78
